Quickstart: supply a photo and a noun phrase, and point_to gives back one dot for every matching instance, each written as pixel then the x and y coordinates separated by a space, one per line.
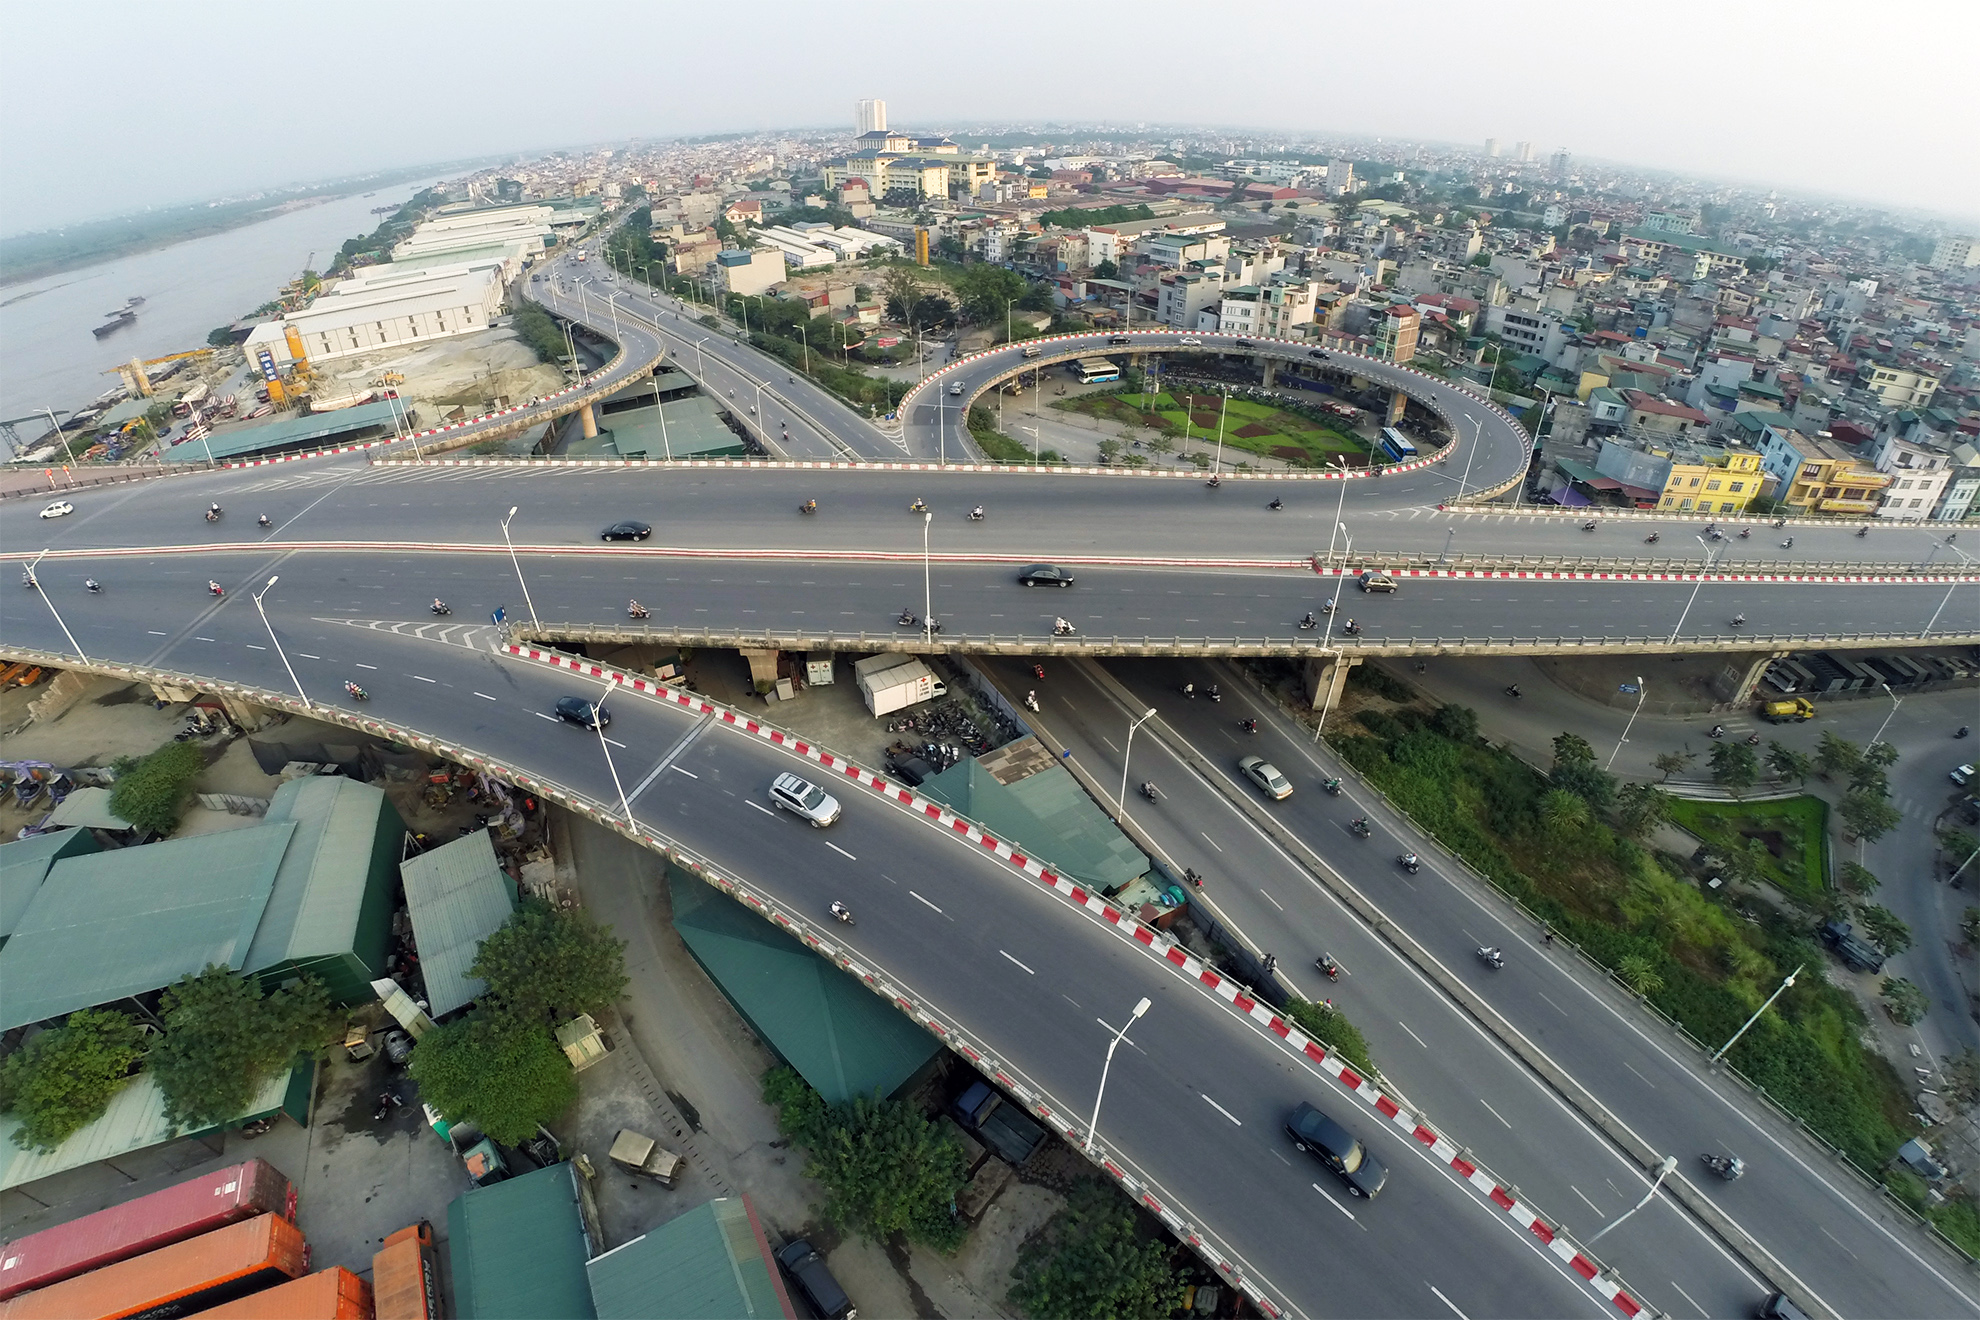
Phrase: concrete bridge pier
pixel 588 419
pixel 1398 401
pixel 1326 675
pixel 1271 372
pixel 762 666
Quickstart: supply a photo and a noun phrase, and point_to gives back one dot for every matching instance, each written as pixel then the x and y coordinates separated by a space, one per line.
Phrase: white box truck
pixel 892 682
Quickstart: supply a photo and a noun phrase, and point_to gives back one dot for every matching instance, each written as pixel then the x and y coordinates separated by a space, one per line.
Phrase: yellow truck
pixel 1792 710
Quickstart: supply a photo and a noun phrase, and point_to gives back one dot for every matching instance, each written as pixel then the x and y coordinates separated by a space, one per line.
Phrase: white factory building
pixel 359 317
pixel 807 245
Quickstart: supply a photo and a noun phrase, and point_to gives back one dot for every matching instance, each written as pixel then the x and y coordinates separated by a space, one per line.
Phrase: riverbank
pixel 34 256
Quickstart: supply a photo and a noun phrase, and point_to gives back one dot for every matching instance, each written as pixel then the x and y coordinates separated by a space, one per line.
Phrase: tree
pixel 1856 879
pixel 1640 808
pixel 1639 974
pixel 1571 747
pixel 1670 763
pixel 1106 270
pixel 1836 756
pixel 1905 1002
pixel 885 1167
pixel 1734 767
pixel 224 1040
pixel 1868 816
pixel 150 793
pixel 1093 1260
pixel 546 965
pixel 1562 813
pixel 1961 1079
pixel 900 286
pixel 986 290
pixel 1458 723
pixel 64 1079
pixel 1787 763
pixel 1110 450
pixel 220 336
pixel 1587 781
pixel 1883 928
pixel 504 1074
pixel 932 311
pixel 1161 446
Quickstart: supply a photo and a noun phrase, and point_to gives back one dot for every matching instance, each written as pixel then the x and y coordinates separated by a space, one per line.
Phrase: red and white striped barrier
pixel 1158 945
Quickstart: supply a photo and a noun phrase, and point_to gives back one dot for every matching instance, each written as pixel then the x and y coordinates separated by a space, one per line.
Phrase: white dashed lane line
pixel 1027 970
pixel 252 647
pixel 760 807
pixel 484 696
pixel 423 678
pixel 361 665
pixel 842 852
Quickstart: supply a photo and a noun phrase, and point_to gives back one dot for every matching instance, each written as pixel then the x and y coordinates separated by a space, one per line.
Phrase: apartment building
pixel 1820 476
pixel 1919 470
pixel 1687 478
pixel 1954 252
pixel 1395 333
pixel 1897 387
pixel 1181 296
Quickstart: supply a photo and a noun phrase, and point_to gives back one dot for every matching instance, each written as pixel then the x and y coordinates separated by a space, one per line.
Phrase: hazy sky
pixel 113 105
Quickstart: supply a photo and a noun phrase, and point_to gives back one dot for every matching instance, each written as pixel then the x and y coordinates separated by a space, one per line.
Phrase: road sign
pixel 1630 688
pixel 500 616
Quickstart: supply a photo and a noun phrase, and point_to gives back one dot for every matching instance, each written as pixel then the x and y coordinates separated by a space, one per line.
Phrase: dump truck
pixel 637 1153
pixel 1791 710
pixel 172 1214
pixel 892 682
pixel 997 1123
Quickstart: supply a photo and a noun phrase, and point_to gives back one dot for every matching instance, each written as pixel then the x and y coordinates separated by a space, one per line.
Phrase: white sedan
pixel 60 508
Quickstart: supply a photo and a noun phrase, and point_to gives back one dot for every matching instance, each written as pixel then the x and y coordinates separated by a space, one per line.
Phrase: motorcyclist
pixel 265 521
pixel 1216 693
pixel 841 911
pixel 1276 503
pixel 1588 526
pixel 1411 860
pixel 1653 538
pixel 907 619
pixel 1492 956
pixel 92 585
pixel 811 506
pixel 1308 620
pixel 440 606
pixel 1251 726
pixel 1739 620
pixel 1359 824
pixel 918 507
pixel 1148 789
pixel 1745 532
pixel 213 587
pixel 1061 628
pixel 1718 731
pixel 1214 482
pixel 635 610
pixel 1031 699
pixel 1189 689
pixel 1788 544
pixel 976 514
pixel 1332 785
pixel 1512 690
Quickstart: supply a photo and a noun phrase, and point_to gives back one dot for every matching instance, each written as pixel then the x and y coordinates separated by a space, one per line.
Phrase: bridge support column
pixel 1271 366
pixel 588 419
pixel 1397 402
pixel 243 713
pixel 1737 685
pixel 171 694
pixel 1326 675
pixel 762 667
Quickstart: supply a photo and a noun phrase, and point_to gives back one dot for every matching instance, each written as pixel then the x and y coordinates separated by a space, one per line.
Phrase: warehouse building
pixel 394 312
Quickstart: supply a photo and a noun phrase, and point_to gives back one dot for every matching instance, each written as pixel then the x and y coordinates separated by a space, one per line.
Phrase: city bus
pixel 1093 370
pixel 1396 445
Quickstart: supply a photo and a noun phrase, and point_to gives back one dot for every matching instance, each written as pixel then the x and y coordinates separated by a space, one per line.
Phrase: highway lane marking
pixel 1689 1298
pixel 1495 1113
pixel 1838 1241
pixel 202 639
pixel 1220 1109
pixel 1027 969
pixel 760 807
pixel 1584 1198
pixel 1273 901
pixel 689 773
pixel 841 851
pixel 925 903
pixel 307 656
pixel 1562 1011
pixel 423 678
pixel 361 665
pixel 1336 1204
pixel 541 716
pixel 252 647
pixel 1645 1080
pixel 1413 1036
pixel 154 632
pixel 1448 1302
pixel 1212 842
pixel 484 696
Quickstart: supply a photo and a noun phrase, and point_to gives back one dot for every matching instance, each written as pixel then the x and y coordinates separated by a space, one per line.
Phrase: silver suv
pixel 803 798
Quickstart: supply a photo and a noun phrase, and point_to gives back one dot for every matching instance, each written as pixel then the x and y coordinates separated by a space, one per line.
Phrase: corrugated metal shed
pixel 24 865
pixel 519 1249
pixel 712 1263
pixel 1050 816
pixel 332 885
pixel 840 1037
pixel 112 924
pixel 89 809
pixel 337 425
pixel 134 1121
pixel 458 896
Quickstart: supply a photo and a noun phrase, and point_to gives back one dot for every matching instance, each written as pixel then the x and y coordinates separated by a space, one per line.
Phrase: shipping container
pixel 332 1294
pixel 182 1279
pixel 173 1214
pixel 405 1284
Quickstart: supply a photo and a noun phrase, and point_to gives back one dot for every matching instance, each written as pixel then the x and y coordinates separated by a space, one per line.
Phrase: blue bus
pixel 1396 445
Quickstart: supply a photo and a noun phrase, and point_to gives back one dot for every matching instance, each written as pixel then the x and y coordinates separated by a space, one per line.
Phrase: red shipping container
pixel 332 1294
pixel 181 1279
pixel 172 1214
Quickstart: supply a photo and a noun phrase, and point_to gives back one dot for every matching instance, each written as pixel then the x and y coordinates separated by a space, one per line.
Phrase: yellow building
pixel 1711 482
pixel 1820 476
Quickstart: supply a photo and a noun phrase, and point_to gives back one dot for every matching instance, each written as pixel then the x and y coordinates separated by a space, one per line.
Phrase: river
pixel 49 358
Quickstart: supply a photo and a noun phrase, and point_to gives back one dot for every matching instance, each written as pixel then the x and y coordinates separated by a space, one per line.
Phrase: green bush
pixel 503 1074
pixel 538 329
pixel 64 1079
pixel 1094 1260
pixel 150 793
pixel 886 1168
pixel 224 1041
pixel 1330 1027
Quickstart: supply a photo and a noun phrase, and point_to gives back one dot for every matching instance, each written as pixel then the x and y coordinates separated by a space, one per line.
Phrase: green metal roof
pixel 841 1038
pixel 712 1263
pixel 321 886
pixel 1049 816
pixel 289 431
pixel 24 865
pixel 112 924
pixel 694 430
pixel 134 1120
pixel 88 808
pixel 519 1249
pixel 458 896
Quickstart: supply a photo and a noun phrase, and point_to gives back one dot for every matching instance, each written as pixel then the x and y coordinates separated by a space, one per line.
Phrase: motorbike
pixel 1031 701
pixel 1249 726
pixel 1788 544
pixel 357 693
pixel 636 611
pixel 1512 690
pixel 1410 862
pixel 1738 621
pixel 917 507
pixel 1333 787
pixel 1653 538
pixel 1588 527
pixel 1214 482
pixel 265 521
pixel 1780 522
pixel 215 589
pixel 1962 731
pixel 1745 532
pixel 1193 877
pixel 1728 1167
pixel 1063 629
pixel 1326 965
pixel 387 1101
pixel 1752 740
pixel 843 913
pixel 1862 532
pixel 1308 624
pixel 809 506
pixel 1718 731
pixel 976 514
pixel 28 581
pixel 1215 694
pixel 1038 672
pixel 1276 505
pixel 1148 791
pixel 1492 958
pixel 441 607
pixel 1351 628
pixel 908 619
pixel 1359 825
pixel 213 515
pixel 92 586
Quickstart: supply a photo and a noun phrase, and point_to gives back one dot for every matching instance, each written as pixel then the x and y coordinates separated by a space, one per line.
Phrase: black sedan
pixel 582 712
pixel 626 531
pixel 1337 1148
pixel 1045 575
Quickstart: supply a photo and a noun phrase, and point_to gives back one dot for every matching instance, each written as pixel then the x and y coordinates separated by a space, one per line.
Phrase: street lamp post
pixel 1218 466
pixel 927 590
pixel 1477 430
pixel 1784 986
pixel 1032 431
pixel 1450 535
pixel 278 642
pixel 1340 506
pixel 1702 573
pixel 1146 715
pixel 50 602
pixel 598 723
pixel 1664 1170
pixel 661 410
pixel 1896 701
pixel 1139 1009
pixel 1630 724
pixel 517 565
